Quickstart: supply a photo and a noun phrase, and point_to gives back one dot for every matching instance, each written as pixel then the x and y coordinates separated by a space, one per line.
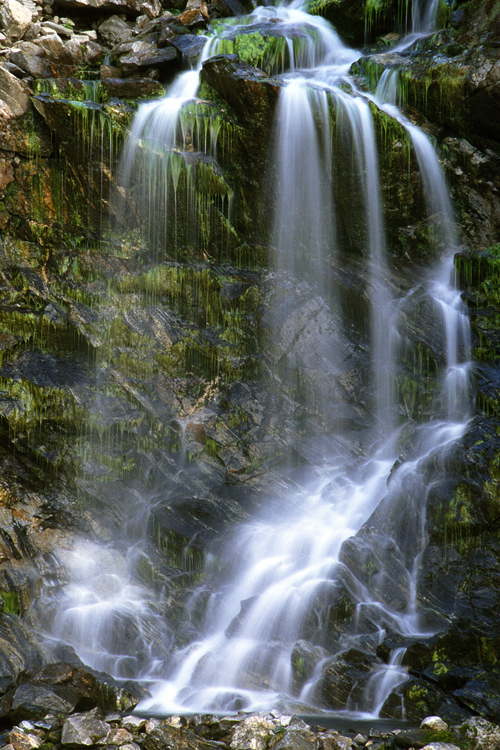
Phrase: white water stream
pixel 280 565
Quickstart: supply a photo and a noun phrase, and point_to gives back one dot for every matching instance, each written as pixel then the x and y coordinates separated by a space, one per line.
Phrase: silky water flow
pixel 280 564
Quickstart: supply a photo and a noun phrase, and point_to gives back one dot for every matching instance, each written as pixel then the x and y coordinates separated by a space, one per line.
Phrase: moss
pixel 268 53
pixel 178 552
pixel 445 736
pixel 70 89
pixel 418 694
pixel 11 602
pixel 459 509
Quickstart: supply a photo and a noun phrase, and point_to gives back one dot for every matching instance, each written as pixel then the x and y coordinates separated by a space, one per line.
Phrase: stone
pixel 434 723
pixel 13 93
pixel 295 740
pixel 15 18
pixel 190 47
pixel 146 55
pixel 23 741
pixel 252 733
pixel 84 729
pixel 167 737
pixel 30 701
pixel 130 88
pixel 441 746
pixel 118 736
pixel 58 28
pixel 55 50
pixel 33 31
pixel 150 8
pixel 411 738
pixel 114 30
pixel 133 723
pixel 484 734
pixel 19 651
pixel 33 65
pixel 245 88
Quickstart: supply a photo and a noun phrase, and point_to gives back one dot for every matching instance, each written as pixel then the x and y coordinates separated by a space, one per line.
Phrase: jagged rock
pixel 30 701
pixel 114 30
pixel 132 8
pixel 15 18
pixel 144 54
pixel 13 93
pixel 58 28
pixel 131 88
pixel 484 734
pixel 304 658
pixel 189 46
pixel 33 65
pixel 61 688
pixel 167 736
pixel 411 738
pixel 358 21
pixel 245 88
pixel 295 740
pixel 23 741
pixel 20 651
pixel 195 19
pixel 84 729
pixel 343 677
pixel 253 732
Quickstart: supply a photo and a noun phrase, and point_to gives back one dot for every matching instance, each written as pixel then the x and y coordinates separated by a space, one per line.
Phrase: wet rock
pixel 189 46
pixel 344 677
pixel 245 88
pixel 377 561
pixel 480 694
pixel 304 658
pixel 131 88
pixel 20 651
pixel 358 21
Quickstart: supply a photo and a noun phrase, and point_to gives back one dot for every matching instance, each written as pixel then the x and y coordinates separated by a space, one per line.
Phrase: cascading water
pixel 290 568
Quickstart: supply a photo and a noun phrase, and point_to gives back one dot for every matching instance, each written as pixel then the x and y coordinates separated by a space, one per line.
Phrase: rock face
pixel 141 367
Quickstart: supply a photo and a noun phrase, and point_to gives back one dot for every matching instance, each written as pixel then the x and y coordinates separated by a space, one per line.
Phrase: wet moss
pixel 10 602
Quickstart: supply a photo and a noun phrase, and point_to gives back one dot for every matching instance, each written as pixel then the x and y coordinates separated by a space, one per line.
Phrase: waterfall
pixel 263 643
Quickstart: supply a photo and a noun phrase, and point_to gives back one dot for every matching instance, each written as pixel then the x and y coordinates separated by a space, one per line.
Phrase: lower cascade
pixel 310 604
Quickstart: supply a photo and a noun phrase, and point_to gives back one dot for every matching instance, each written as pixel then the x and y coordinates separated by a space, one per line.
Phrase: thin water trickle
pixel 286 571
